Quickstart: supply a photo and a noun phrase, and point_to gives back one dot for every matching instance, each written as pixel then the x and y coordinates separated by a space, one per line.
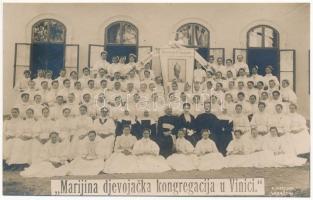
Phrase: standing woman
pixel 299 134
pixel 260 120
pixel 22 143
pixel 122 160
pixel 187 121
pixel 209 156
pixel 241 121
pixel 41 133
pixel 147 155
pixel 184 158
pixel 11 130
pixel 83 124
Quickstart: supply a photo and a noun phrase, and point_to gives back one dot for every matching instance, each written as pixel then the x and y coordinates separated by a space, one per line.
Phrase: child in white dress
pixel 147 155
pixel 184 158
pixel 209 157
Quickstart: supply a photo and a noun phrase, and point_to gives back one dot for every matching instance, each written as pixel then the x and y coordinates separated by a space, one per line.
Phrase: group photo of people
pixel 118 117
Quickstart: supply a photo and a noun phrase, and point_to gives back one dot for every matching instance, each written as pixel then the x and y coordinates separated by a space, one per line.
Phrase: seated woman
pixel 184 158
pixel 22 143
pixel 279 152
pixel 209 156
pixel 147 155
pixel 122 160
pixel 90 161
pixel 236 154
pixel 298 130
pixel 52 158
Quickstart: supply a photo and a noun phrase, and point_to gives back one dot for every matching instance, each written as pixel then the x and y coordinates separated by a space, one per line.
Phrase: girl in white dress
pixel 52 158
pixel 90 160
pixel 22 143
pixel 147 155
pixel 299 134
pixel 122 160
pixel 12 129
pixel 184 159
pixel 209 157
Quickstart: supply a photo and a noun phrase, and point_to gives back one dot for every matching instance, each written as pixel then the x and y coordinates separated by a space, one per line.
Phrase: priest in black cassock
pixel 220 129
pixel 147 121
pixel 166 130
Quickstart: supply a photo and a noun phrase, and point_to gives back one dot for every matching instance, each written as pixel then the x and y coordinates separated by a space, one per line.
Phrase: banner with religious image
pixel 177 64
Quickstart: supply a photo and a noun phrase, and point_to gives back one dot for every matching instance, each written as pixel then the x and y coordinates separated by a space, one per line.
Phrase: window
pixel 194 35
pixel 263 50
pixel 121 39
pixel 263 36
pixel 48 46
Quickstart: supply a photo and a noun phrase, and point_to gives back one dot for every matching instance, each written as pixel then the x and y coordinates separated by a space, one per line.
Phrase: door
pixel 47 56
pixel 263 57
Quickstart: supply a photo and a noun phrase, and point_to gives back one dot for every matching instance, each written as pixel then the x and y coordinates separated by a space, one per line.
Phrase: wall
pixel 228 24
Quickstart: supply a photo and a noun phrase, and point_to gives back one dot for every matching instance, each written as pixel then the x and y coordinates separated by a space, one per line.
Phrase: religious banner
pixel 177 64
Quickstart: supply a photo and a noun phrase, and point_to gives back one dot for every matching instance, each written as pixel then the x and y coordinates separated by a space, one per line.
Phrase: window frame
pixel 106 42
pixel 263 26
pixel 193 24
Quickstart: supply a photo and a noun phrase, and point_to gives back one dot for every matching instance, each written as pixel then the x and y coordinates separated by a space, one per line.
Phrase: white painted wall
pixel 157 23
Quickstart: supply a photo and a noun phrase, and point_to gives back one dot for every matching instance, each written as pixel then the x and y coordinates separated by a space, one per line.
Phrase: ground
pixel 295 179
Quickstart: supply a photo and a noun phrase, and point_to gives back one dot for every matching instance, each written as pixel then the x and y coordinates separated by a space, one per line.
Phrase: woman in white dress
pixel 208 155
pixel 122 160
pixel 260 120
pixel 90 160
pixel 236 154
pixel 52 159
pixel 41 131
pixel 147 155
pixel 12 129
pixel 83 124
pixel 241 121
pixel 287 93
pixel 22 143
pixel 105 128
pixel 299 134
pixel 281 153
pixel 184 158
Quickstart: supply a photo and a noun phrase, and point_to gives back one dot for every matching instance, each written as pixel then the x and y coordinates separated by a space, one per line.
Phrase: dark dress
pixel 220 130
pixel 189 125
pixel 142 124
pixel 165 142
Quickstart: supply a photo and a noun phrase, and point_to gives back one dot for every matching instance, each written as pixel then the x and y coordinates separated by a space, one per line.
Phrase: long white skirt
pixel 238 161
pixel 80 166
pixel 21 152
pixel 7 148
pixel 211 161
pixel 36 150
pixel 151 164
pixel 43 169
pixel 182 162
pixel 301 142
pixel 120 163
